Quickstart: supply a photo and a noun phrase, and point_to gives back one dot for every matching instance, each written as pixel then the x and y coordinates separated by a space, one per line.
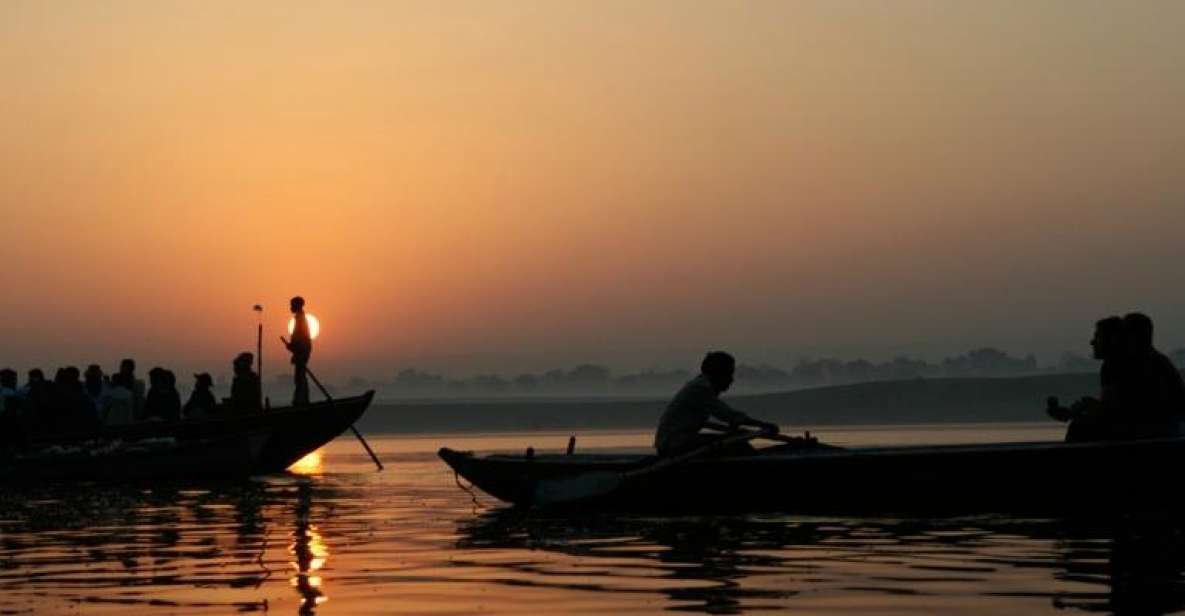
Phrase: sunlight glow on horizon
pixel 522 186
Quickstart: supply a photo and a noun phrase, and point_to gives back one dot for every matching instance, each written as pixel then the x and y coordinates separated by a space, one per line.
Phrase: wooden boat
pixel 1003 477
pixel 229 445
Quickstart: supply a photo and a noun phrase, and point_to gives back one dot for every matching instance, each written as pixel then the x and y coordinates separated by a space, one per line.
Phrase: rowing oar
pixel 328 397
pixel 801 441
pixel 601 483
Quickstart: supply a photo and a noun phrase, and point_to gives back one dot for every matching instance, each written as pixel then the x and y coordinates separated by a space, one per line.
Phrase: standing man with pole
pixel 301 347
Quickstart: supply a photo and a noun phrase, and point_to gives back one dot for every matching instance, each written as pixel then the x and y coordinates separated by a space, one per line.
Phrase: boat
pixel 230 445
pixel 1038 477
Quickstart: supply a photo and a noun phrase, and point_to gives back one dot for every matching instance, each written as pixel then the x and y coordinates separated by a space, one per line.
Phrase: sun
pixel 314 325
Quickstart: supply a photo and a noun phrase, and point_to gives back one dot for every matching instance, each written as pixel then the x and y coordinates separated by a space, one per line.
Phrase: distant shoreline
pixel 915 401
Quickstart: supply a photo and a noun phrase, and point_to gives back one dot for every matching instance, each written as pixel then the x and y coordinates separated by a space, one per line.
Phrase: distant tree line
pixel 596 380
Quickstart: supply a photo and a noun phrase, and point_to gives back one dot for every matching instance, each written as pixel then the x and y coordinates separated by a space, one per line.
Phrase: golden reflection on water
pixel 310 553
pixel 311 464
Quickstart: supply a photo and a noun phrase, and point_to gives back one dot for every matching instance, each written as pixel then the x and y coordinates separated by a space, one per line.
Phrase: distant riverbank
pixel 954 400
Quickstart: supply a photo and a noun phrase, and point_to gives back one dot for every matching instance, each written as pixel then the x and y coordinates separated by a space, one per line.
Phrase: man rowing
pixel 697 402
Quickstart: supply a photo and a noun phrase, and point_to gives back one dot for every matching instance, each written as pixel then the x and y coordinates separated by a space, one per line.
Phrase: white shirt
pixel 689 410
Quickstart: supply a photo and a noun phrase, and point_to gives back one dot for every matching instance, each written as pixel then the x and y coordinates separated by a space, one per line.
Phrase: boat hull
pixel 237 445
pixel 1018 477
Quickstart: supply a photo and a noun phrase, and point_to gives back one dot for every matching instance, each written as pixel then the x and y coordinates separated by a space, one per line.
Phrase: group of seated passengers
pixel 77 402
pixel 1142 394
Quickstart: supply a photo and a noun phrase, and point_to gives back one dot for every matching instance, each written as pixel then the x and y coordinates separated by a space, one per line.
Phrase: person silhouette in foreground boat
pixel 1156 393
pixel 1090 418
pixel 1141 392
pixel 698 400
pixel 301 347
pixel 245 389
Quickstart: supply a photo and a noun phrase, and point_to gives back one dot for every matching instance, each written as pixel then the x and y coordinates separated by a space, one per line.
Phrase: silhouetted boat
pixel 1004 477
pixel 228 445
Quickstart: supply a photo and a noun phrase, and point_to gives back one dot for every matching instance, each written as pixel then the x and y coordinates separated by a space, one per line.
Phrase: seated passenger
pixel 201 402
pixel 72 412
pixel 120 409
pixel 7 389
pixel 162 403
pixel 35 399
pixel 127 370
pixel 1094 419
pixel 96 388
pixel 1155 391
pixel 245 389
pixel 689 411
pixel 10 427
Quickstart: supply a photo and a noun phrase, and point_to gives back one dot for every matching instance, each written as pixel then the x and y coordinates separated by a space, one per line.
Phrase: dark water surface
pixel 339 538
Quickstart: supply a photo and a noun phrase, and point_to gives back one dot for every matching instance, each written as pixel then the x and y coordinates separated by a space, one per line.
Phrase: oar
pixel 358 434
pixel 772 436
pixel 328 397
pixel 601 483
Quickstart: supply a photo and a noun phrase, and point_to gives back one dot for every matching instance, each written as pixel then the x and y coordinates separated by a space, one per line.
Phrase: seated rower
pixel 697 402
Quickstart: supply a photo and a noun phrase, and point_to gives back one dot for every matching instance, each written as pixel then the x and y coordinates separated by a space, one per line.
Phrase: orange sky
pixel 522 185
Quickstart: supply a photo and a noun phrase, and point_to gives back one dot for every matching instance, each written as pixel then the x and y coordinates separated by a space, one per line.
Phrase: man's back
pixel 687 413
pixel 1153 396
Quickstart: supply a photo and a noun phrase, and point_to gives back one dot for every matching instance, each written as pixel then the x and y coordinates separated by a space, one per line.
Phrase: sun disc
pixel 314 325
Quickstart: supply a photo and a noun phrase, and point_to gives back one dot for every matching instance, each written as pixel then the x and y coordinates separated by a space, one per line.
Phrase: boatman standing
pixel 301 347
pixel 699 400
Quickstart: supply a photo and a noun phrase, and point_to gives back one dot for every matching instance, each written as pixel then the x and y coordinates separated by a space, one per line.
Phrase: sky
pixel 496 186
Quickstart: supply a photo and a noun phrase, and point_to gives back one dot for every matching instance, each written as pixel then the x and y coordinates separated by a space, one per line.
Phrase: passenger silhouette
pixel 1141 393
pixel 1154 391
pixel 127 370
pixel 162 403
pixel 245 389
pixel 96 389
pixel 120 409
pixel 201 403
pixel 1092 418
pixel 10 428
pixel 698 400
pixel 301 347
pixel 1095 419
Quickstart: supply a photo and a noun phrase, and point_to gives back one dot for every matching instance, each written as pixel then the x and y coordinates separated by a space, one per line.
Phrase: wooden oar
pixel 600 483
pixel 772 436
pixel 358 434
pixel 328 397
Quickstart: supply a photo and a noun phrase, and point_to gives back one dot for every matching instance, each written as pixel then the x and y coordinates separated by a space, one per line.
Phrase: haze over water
pixel 342 539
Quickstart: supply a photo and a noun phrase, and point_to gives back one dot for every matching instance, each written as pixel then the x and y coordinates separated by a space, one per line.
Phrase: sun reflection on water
pixel 311 464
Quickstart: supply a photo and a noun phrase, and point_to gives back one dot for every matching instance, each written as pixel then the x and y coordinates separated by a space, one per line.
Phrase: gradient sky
pixel 502 186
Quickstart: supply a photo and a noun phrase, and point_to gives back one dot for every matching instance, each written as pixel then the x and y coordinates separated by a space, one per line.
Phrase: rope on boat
pixel 468 490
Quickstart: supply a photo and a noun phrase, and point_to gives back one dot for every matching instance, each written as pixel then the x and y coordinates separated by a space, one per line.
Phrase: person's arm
pixel 722 411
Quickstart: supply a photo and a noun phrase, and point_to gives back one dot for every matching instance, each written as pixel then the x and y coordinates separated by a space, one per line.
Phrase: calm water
pixel 343 539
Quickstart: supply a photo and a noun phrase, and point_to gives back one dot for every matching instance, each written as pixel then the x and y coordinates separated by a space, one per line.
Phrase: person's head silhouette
pixel 1138 328
pixel 718 367
pixel 1108 338
pixel 296 304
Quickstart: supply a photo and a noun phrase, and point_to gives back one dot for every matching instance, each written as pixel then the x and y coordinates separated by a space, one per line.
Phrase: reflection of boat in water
pixel 1010 477
pixel 238 445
